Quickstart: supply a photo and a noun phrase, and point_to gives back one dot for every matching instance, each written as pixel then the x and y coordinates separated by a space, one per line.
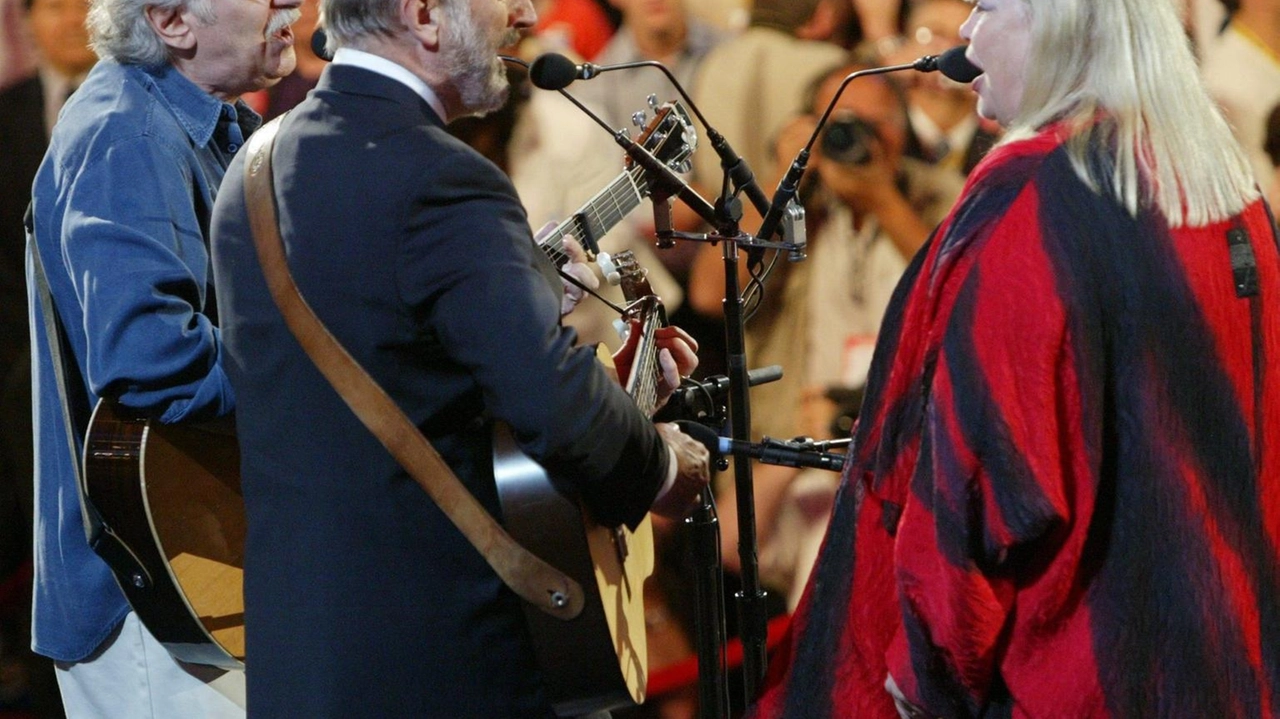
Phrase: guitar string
pixel 645 373
pixel 624 188
pixel 635 177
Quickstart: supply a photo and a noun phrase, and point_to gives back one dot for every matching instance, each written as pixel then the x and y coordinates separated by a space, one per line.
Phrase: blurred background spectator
pixel 29 106
pixel 944 125
pixel 663 31
pixel 579 28
pixel 1205 19
pixel 17 51
pixel 1241 67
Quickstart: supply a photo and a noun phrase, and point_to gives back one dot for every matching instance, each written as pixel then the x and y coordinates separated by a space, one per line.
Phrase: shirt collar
pixel 196 110
pixel 387 68
pixel 932 136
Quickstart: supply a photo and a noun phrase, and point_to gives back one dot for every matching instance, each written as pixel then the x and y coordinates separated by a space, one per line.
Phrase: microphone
pixel 951 63
pixel 771 451
pixel 553 71
pixel 318 40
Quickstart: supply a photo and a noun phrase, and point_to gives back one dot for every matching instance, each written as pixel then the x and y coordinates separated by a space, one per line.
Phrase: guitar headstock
pixel 635 279
pixel 669 136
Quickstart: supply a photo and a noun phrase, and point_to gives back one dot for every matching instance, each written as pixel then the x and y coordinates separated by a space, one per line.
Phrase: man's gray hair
pixel 119 29
pixel 347 22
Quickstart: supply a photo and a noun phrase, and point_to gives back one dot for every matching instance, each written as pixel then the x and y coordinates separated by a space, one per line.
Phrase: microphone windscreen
pixel 701 433
pixel 956 66
pixel 552 71
pixel 318 40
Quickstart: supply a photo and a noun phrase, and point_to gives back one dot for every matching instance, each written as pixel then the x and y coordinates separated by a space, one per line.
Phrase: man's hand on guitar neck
pixel 677 357
pixel 688 474
pixel 576 266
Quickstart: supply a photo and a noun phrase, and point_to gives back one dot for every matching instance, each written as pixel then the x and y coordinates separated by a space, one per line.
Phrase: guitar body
pixel 598 660
pixel 174 527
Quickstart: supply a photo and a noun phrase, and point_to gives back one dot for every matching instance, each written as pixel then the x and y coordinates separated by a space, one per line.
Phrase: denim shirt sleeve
pixel 137 258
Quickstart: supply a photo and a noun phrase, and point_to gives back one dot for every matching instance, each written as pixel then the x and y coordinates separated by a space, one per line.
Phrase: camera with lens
pixel 848 139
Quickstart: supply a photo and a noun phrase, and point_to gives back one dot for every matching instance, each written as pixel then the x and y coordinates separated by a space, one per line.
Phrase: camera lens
pixel 847 139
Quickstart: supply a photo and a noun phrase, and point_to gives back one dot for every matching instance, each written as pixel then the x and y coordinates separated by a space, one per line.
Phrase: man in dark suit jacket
pixel 361 599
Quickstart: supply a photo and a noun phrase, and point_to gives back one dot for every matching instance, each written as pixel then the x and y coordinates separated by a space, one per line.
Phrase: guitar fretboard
pixel 642 385
pixel 601 213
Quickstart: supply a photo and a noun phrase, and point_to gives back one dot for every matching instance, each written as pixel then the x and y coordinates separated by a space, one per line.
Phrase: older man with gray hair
pixel 121 208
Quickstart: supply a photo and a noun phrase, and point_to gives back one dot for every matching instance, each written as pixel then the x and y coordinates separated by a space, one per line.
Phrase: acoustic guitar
pixel 599 659
pixel 173 528
pixel 171 516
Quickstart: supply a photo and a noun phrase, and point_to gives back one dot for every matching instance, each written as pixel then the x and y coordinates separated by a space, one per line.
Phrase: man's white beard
pixel 473 66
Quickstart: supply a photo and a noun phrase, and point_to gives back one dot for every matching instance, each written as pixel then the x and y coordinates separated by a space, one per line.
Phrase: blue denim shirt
pixel 122 204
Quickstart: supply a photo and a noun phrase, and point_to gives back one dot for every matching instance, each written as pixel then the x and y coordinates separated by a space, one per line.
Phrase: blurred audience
pixel 944 124
pixel 749 87
pixel 1241 68
pixel 17 51
pixel 30 108
pixel 31 104
pixel 752 84
pixel 661 30
pixel 1205 20
pixel 575 27
pixel 728 15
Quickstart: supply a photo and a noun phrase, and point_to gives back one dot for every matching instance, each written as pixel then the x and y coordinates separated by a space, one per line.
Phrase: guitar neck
pixel 642 385
pixel 601 213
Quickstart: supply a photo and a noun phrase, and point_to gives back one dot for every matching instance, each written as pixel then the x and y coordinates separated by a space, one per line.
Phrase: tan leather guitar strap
pixel 533 579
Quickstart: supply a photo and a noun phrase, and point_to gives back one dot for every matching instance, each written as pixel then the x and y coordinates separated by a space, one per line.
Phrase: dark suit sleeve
pixel 469 267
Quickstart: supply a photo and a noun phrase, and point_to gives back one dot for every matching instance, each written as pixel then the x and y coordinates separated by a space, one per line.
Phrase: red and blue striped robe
pixel 1064 495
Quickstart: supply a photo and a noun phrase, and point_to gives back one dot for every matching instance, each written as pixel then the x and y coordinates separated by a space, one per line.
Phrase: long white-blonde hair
pixel 1125 68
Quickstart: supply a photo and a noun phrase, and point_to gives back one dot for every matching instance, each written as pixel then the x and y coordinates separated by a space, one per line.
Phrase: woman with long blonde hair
pixel 1063 497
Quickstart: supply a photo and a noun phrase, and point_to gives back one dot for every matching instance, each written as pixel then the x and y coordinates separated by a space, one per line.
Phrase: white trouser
pixel 132 675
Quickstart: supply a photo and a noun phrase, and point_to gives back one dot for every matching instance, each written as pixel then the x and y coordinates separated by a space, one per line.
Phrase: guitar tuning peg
pixel 610 270
pixel 653 101
pixel 638 118
pixel 622 328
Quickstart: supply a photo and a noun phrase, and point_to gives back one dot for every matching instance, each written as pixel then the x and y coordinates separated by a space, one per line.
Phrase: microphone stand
pixel 751 599
pixel 724 217
pixel 709 592
pixel 713 696
pixel 752 615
